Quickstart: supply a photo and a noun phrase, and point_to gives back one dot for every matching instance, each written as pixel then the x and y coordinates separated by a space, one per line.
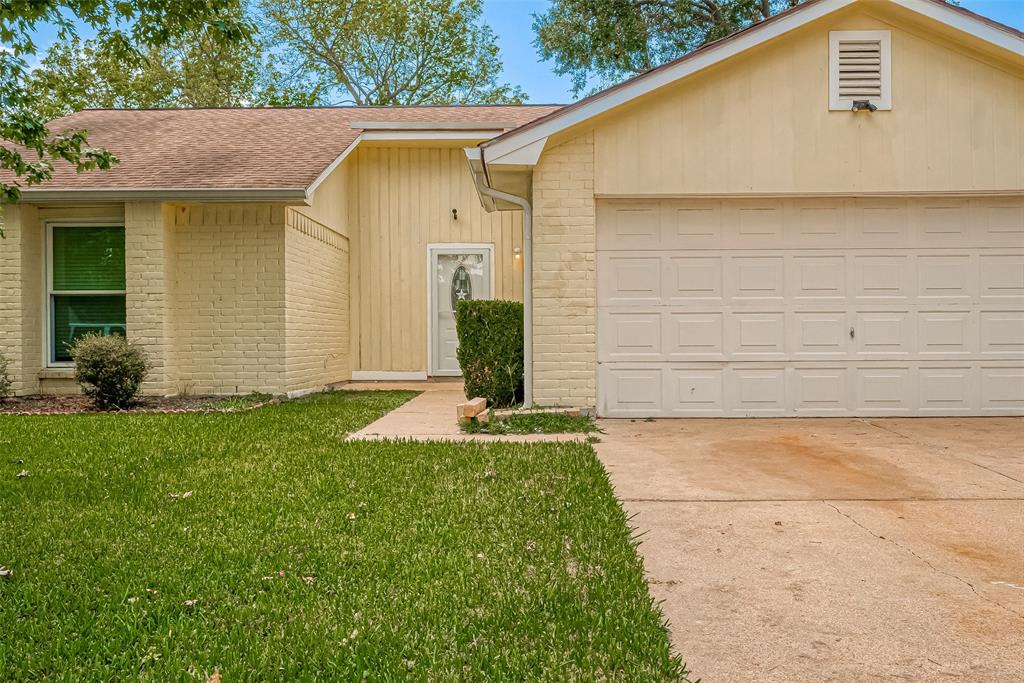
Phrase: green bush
pixel 5 379
pixel 491 350
pixel 110 369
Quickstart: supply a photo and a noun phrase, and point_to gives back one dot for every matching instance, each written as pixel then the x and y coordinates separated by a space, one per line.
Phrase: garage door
pixel 769 307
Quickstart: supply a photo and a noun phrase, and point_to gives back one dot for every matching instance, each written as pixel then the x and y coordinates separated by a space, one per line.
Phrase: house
pixel 820 215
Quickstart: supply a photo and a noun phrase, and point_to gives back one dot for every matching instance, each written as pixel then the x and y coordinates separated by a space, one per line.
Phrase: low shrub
pixel 5 379
pixel 110 369
pixel 491 350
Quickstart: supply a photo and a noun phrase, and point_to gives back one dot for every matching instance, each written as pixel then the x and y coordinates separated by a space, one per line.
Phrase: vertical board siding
pixel 401 200
pixel 761 123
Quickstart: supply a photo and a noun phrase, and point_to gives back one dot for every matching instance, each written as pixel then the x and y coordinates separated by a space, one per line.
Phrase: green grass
pixel 534 423
pixel 309 558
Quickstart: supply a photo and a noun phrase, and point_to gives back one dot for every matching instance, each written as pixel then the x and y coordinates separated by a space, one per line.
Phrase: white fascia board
pixel 403 135
pixel 433 125
pixel 330 169
pixel 642 85
pixel 287 195
pixel 527 155
pixel 973 26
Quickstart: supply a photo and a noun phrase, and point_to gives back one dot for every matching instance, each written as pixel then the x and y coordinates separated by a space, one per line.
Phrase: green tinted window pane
pixel 88 258
pixel 74 316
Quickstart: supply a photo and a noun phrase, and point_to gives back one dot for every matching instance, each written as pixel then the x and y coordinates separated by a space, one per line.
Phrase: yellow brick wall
pixel 565 276
pixel 149 279
pixel 21 296
pixel 316 304
pixel 228 308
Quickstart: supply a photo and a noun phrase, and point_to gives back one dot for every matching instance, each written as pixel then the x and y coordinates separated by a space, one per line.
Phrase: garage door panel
pixel 756 336
pixel 947 333
pixel 1001 220
pixel 819 334
pixel 821 391
pixel 883 390
pixel 817 278
pixel 946 277
pixel 629 278
pixel 943 223
pixel 947 390
pixel 882 278
pixel 1002 276
pixel 691 278
pixel 694 335
pixel 756 391
pixel 880 223
pixel 754 223
pixel 694 226
pixel 811 306
pixel 756 278
pixel 1002 389
pixel 694 392
pixel 630 336
pixel 887 333
pixel 630 225
pixel 816 223
pixel 631 390
pixel 1002 333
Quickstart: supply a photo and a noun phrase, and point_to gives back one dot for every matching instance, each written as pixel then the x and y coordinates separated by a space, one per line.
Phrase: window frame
pixel 884 38
pixel 49 350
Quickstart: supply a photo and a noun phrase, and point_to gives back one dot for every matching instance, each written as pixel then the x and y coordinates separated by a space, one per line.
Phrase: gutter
pixel 522 203
pixel 296 195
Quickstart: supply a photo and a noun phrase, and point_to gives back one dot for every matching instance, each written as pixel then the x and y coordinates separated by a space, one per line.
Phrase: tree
pixel 390 52
pixel 600 42
pixel 126 31
pixel 195 69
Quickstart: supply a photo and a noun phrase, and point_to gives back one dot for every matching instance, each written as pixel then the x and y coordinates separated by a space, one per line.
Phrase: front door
pixel 457 274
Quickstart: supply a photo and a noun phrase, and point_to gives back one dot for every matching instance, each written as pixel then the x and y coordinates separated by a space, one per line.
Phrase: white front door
pixel 456 273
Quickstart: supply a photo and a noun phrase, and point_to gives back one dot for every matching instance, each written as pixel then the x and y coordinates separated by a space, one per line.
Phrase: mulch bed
pixel 66 405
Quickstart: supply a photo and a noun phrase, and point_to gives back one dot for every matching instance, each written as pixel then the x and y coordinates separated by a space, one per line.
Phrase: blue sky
pixel 512 20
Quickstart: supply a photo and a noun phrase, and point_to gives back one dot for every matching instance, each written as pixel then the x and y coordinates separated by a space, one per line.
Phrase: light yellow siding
pixel 401 200
pixel 316 304
pixel 760 123
pixel 564 276
pixel 229 299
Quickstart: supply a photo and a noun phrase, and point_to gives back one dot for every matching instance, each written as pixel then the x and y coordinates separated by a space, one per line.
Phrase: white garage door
pixel 811 307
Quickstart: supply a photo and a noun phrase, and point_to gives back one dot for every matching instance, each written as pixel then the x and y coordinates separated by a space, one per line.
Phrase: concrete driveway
pixel 832 550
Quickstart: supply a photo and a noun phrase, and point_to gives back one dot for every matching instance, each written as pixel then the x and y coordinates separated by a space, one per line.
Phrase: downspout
pixel 527 283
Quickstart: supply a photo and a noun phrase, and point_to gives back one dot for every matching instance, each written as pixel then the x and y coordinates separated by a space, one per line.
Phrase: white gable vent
pixel 859 69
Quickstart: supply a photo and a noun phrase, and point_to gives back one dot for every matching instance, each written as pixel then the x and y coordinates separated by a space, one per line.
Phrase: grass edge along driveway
pixel 260 545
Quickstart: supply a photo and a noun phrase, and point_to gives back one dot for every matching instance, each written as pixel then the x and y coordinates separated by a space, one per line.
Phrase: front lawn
pixel 261 546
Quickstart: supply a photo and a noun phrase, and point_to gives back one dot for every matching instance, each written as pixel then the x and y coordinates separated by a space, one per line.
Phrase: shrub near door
pixel 491 350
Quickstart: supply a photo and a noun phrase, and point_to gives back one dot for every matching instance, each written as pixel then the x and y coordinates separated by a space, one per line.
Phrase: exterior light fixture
pixel 517 252
pixel 455 214
pixel 863 105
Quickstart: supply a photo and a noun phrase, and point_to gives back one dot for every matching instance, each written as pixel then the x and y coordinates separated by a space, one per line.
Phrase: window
pixel 86 285
pixel 859 66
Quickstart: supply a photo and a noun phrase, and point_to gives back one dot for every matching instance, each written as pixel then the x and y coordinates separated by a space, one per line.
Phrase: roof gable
pixel 523 146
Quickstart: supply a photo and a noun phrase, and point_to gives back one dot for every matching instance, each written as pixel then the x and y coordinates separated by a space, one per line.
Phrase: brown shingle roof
pixel 213 149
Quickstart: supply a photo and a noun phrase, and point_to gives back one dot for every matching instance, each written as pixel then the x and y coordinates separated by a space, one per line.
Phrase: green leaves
pixel 600 42
pixel 491 349
pixel 390 52
pixel 128 34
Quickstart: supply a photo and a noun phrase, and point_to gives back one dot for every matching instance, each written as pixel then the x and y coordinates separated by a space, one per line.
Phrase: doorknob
pixel 851 333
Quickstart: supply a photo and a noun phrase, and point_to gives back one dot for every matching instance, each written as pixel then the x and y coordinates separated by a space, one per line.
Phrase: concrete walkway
pixel 831 549
pixel 431 416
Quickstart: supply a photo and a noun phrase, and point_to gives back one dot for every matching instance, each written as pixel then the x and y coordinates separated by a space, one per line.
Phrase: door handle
pixel 852 334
